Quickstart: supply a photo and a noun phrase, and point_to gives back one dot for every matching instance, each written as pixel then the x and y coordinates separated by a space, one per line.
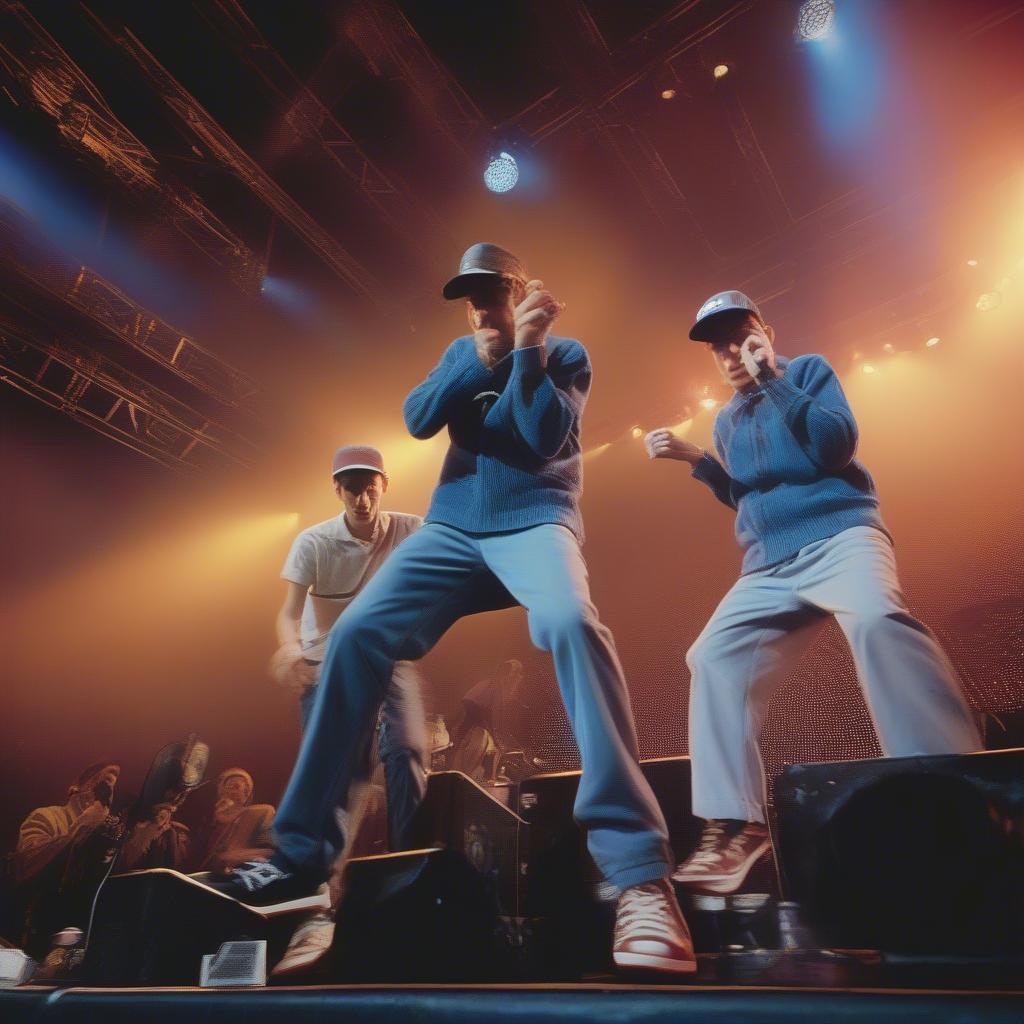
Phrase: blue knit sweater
pixel 514 457
pixel 789 467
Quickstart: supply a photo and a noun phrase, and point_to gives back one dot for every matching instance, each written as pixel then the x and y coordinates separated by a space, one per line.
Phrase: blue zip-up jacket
pixel 789 468
pixel 514 458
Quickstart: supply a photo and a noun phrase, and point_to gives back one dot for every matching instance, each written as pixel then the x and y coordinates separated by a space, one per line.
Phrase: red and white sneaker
pixel 724 856
pixel 650 931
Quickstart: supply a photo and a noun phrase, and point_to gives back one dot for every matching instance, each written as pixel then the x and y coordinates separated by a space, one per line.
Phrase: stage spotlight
pixel 668 94
pixel 989 301
pixel 721 70
pixel 814 19
pixel 288 297
pixel 502 173
pixel 637 432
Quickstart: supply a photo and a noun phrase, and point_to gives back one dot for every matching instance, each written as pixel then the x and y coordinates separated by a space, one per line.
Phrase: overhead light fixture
pixel 814 19
pixel 502 173
pixel 637 432
pixel 668 94
pixel 932 342
pixel 889 347
pixel 972 263
pixel 988 301
pixel 721 70
pixel 868 368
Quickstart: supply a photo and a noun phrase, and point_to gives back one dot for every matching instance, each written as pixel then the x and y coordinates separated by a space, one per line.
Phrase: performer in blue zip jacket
pixel 814 545
pixel 503 528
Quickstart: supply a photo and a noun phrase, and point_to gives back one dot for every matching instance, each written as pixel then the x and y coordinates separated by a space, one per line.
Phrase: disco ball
pixel 815 18
pixel 502 173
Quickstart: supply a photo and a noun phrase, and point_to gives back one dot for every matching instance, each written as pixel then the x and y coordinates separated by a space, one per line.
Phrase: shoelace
pixel 711 846
pixel 736 843
pixel 647 908
pixel 255 874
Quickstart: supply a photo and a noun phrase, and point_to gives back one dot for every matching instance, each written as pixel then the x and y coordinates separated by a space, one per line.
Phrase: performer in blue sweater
pixel 813 545
pixel 503 528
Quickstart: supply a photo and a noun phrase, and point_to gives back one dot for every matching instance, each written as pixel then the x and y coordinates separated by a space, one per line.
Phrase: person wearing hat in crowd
pixel 49 832
pixel 238 830
pixel 327 566
pixel 503 528
pixel 63 851
pixel 814 545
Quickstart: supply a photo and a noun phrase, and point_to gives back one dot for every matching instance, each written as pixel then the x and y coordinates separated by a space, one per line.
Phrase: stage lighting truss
pixel 502 173
pixel 814 19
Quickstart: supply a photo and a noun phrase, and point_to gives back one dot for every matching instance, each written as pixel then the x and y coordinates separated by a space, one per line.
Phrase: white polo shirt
pixel 335 566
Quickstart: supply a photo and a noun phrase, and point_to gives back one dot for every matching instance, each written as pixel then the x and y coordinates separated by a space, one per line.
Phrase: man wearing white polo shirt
pixel 329 564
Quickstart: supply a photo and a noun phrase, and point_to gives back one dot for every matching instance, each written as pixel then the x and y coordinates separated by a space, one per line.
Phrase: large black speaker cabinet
pixel 569 907
pixel 153 927
pixel 546 802
pixel 918 855
pixel 417 916
pixel 458 815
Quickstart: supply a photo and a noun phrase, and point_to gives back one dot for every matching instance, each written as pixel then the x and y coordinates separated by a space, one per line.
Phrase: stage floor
pixel 601 1003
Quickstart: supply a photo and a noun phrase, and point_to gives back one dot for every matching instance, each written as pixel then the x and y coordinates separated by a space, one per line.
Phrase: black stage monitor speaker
pixel 153 928
pixel 916 855
pixel 417 916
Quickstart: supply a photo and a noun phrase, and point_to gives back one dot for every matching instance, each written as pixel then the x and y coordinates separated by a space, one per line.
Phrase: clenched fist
pixel 663 444
pixel 535 315
pixel 758 355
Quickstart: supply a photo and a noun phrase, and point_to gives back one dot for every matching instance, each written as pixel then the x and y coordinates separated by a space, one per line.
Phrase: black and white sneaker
pixel 264 886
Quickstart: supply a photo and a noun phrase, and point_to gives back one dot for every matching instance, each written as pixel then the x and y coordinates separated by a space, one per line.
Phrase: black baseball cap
pixel 719 303
pixel 482 260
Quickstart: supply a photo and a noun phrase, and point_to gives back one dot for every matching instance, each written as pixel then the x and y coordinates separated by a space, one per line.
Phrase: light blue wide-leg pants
pixel 435 577
pixel 756 635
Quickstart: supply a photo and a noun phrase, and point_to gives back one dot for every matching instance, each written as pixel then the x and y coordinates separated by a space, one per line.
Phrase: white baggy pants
pixel 752 642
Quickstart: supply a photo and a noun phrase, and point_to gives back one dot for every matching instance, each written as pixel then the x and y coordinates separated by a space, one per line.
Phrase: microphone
pixel 754 366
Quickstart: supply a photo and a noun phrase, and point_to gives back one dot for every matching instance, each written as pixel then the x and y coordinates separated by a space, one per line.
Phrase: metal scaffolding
pixel 312 122
pixel 223 148
pixel 392 48
pixel 38 70
pixel 94 391
pixel 23 254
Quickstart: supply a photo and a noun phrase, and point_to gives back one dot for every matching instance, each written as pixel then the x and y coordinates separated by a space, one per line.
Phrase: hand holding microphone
pixel 535 315
pixel 757 355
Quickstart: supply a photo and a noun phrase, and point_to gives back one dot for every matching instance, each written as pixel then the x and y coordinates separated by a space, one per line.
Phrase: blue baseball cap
pixel 719 303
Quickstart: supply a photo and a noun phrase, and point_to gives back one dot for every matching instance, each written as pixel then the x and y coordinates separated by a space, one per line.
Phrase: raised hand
pixel 535 315
pixel 663 444
pixel 757 354
pixel 92 816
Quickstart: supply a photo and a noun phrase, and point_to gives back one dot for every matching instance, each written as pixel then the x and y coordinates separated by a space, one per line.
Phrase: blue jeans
pixel 402 747
pixel 437 576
